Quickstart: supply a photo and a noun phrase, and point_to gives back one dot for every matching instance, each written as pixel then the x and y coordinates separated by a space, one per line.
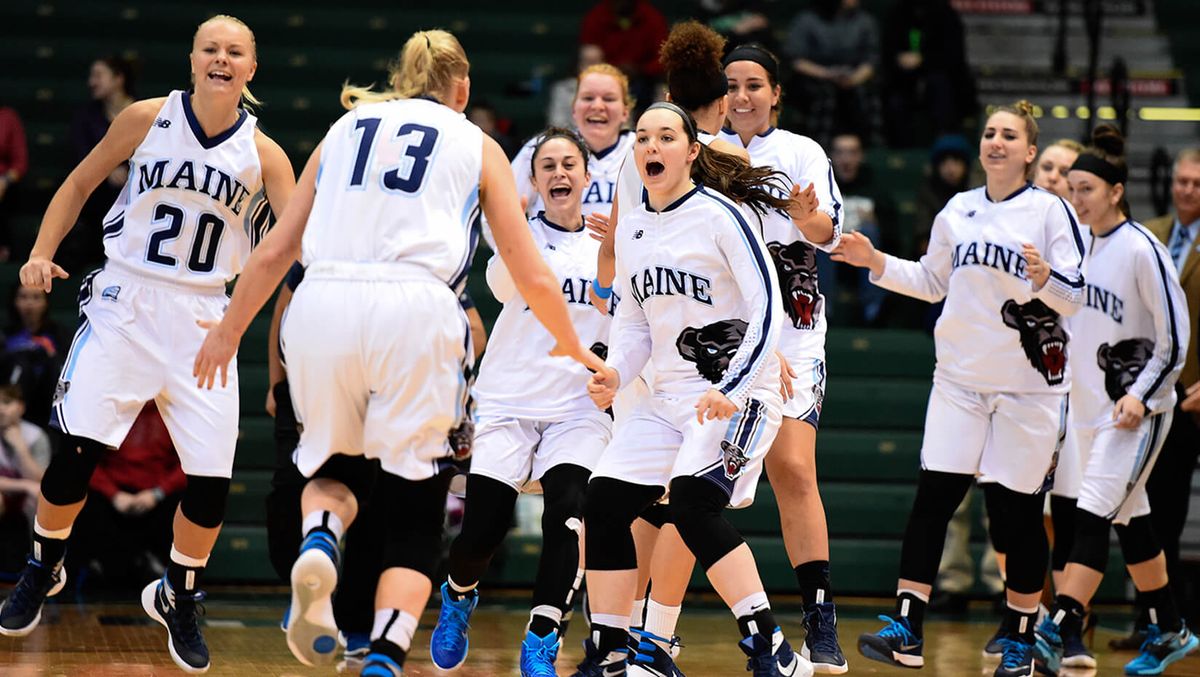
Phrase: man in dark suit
pixel 1170 483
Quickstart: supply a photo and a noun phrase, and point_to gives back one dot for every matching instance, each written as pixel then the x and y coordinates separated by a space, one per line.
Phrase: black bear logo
pixel 711 347
pixel 796 266
pixel 600 350
pixel 1122 363
pixel 734 459
pixel 1042 337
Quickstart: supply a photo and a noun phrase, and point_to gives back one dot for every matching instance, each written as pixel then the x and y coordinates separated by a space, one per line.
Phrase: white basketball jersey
pixel 193 205
pixel 398 181
pixel 603 165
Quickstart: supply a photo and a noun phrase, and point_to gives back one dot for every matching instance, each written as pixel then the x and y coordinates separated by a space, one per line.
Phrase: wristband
pixel 601 291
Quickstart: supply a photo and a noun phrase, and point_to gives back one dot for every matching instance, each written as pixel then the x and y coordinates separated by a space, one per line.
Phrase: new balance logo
pixel 162 122
pixel 637 235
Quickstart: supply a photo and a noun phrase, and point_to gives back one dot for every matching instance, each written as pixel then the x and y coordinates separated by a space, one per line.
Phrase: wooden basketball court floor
pixel 115 639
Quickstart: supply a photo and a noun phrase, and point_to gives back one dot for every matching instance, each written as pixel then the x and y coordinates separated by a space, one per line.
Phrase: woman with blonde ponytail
pixel 200 174
pixel 1006 257
pixel 377 323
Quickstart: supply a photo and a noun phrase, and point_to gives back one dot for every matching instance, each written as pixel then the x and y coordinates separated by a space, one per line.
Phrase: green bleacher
pixel 868 447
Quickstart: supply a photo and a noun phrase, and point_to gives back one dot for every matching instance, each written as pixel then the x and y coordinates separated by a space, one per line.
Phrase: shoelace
pixel 648 645
pixel 1153 634
pixel 1014 653
pixel 545 652
pixel 186 624
pixel 818 631
pixel 458 616
pixel 895 629
pixel 30 586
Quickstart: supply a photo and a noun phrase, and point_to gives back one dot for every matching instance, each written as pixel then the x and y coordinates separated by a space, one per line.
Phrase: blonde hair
pixel 1070 144
pixel 612 71
pixel 429 64
pixel 248 98
pixel 1024 110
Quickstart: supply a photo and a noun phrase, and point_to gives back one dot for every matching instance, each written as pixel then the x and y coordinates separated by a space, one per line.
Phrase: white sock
pixel 56 534
pixel 751 603
pixel 546 611
pixel 661 619
pixel 924 597
pixel 636 617
pixel 323 518
pixel 611 620
pixel 190 562
pixel 395 626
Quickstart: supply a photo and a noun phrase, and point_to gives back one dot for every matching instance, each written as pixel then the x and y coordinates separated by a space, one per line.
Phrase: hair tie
pixel 428 44
pixel 689 125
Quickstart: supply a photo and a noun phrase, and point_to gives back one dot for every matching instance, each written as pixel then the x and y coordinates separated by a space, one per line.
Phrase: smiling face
pixel 750 97
pixel 1052 168
pixel 599 110
pixel 1004 149
pixel 1094 199
pixel 663 153
pixel 560 175
pixel 223 57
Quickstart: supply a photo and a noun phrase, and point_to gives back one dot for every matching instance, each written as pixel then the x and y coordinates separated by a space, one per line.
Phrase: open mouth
pixel 220 76
pixel 1054 359
pixel 596 120
pixel 743 111
pixel 654 168
pixel 560 191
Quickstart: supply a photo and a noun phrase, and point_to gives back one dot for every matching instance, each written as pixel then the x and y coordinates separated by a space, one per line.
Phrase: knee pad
pixel 415 540
pixel 1138 541
pixel 939 494
pixel 203 501
pixel 66 479
pixel 1062 515
pixel 696 509
pixel 564 488
pixel 1091 541
pixel 1018 522
pixel 658 515
pixel 358 473
pixel 609 508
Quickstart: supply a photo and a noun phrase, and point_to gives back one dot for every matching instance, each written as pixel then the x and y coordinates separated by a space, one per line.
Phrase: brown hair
pixel 691 57
pixel 248 98
pixel 1024 110
pixel 551 133
pixel 614 72
pixel 1109 145
pixel 429 64
pixel 12 391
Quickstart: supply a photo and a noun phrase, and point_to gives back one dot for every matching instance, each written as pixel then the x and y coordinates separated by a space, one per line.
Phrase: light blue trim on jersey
pixel 470 219
pixel 837 206
pixel 1148 446
pixel 81 339
pixel 757 354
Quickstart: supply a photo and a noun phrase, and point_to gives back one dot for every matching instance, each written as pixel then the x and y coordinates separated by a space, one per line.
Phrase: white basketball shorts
pixel 519 451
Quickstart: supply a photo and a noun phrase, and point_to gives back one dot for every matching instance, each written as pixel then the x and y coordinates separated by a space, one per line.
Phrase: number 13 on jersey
pixel 406 177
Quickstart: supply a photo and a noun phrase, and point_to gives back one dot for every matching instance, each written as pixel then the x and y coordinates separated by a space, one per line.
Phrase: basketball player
pixel 1006 258
pixel 376 323
pixel 1130 343
pixel 753 103
pixel 200 174
pixel 702 306
pixel 536 430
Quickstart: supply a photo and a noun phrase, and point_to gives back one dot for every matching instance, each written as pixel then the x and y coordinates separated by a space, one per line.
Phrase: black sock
pixel 184 581
pixel 763 623
pixel 1161 609
pixel 48 551
pixel 389 649
pixel 1020 624
pixel 912 607
pixel 1143 610
pixel 813 578
pixel 609 639
pixel 1070 622
pixel 542 625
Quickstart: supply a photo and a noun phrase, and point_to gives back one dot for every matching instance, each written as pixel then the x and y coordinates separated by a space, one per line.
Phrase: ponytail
pixel 428 65
pixel 757 187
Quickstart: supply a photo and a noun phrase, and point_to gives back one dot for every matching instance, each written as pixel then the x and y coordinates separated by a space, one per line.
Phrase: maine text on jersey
pixel 600 192
pixel 1105 301
pixel 993 255
pixel 215 183
pixel 575 290
pixel 663 281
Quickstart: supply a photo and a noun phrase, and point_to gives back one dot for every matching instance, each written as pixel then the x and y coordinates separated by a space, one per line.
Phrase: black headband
pixel 714 86
pixel 689 125
pixel 758 55
pixel 1088 162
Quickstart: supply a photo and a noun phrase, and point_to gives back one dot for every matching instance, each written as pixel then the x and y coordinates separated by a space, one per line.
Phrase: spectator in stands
pixel 834 50
pixel 14 165
pixel 562 93
pixel 111 84
pixel 1170 483
pixel 927 84
pixel 24 455
pixel 949 173
pixel 124 531
pixel 630 33
pixel 33 351
pixel 485 117
pixel 740 22
pixel 868 209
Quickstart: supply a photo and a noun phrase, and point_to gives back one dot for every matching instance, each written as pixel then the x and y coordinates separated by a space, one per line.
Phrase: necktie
pixel 1179 244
